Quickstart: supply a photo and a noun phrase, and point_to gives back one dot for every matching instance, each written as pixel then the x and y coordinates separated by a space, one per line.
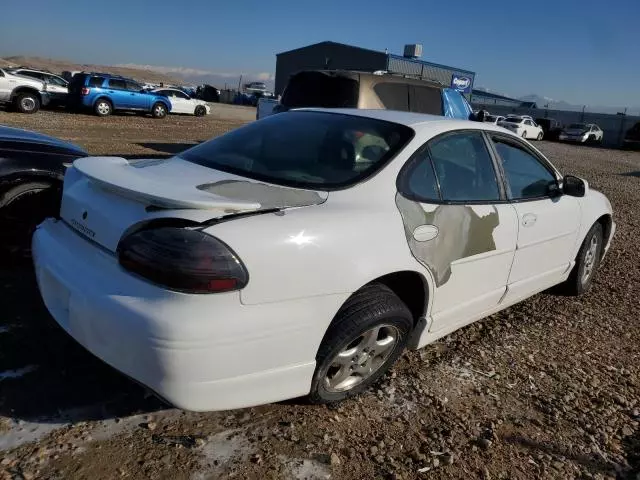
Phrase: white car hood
pixel 104 197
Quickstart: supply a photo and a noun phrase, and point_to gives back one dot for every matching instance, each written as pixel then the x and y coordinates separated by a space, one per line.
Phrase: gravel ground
pixel 549 388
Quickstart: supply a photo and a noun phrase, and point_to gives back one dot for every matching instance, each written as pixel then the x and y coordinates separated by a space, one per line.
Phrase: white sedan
pixel 582 133
pixel 524 127
pixel 183 103
pixel 302 253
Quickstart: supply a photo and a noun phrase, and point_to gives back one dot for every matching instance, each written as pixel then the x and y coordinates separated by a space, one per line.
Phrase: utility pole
pixel 239 83
pixel 546 110
pixel 582 117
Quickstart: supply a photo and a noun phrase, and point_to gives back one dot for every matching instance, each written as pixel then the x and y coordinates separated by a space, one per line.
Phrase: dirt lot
pixel 549 388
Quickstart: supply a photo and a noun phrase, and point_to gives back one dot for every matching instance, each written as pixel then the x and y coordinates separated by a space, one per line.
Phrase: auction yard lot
pixel 549 388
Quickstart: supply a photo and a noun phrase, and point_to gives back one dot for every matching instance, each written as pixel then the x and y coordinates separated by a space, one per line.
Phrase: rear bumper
pixel 199 352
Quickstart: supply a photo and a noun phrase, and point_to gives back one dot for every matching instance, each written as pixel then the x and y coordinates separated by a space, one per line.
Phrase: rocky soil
pixel 549 388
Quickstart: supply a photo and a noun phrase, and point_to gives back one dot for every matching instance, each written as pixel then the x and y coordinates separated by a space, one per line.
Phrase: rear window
pixel 96 81
pixel 425 100
pixel 315 150
pixel 316 89
pixel 394 96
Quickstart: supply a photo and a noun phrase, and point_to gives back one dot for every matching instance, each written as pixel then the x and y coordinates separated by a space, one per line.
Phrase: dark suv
pixel 104 93
pixel 632 137
pixel 551 128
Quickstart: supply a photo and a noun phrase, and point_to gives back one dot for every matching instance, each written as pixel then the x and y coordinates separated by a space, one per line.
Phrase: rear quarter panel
pixel 332 248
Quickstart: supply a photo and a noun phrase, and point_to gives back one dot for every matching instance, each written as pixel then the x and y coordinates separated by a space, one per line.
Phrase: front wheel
pixel 366 337
pixel 27 103
pixel 200 111
pixel 159 110
pixel 539 136
pixel 587 263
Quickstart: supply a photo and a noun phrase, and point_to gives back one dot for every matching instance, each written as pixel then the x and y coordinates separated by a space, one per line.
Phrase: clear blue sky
pixel 579 51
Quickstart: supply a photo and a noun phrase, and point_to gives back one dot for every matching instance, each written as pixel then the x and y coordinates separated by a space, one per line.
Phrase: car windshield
pixel 513 120
pixel 578 126
pixel 316 150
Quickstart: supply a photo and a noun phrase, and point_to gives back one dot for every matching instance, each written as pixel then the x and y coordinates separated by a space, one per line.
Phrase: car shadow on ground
pixel 631 174
pixel 168 148
pixel 44 374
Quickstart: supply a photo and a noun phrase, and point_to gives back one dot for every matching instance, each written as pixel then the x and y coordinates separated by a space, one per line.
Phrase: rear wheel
pixel 22 208
pixel 27 103
pixel 103 108
pixel 200 111
pixel 159 110
pixel 367 336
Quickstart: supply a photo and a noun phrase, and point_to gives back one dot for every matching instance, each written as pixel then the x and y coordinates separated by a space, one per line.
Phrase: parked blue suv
pixel 104 93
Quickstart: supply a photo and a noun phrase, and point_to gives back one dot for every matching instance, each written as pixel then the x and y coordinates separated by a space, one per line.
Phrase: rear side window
pixel 425 100
pixel 394 96
pixel 464 168
pixel 317 89
pixel 96 81
pixel 133 86
pixel 117 83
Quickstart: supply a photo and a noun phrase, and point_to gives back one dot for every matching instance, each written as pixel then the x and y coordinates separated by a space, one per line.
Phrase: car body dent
pixel 463 232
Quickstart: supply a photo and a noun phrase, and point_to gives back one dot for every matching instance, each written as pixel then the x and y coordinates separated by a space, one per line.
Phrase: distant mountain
pixel 144 73
pixel 542 102
pixel 58 66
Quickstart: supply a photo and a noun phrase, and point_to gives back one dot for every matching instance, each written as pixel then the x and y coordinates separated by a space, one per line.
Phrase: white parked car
pixel 183 103
pixel 523 127
pixel 302 253
pixel 57 87
pixel 582 133
pixel 495 119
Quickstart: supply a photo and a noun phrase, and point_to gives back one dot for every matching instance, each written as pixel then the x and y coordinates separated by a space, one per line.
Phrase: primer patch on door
pixel 269 196
pixel 463 231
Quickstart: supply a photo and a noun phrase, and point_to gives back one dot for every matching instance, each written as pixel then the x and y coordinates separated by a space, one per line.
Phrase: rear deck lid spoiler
pixel 121 177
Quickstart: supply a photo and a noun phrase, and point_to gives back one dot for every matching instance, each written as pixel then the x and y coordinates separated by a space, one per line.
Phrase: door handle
pixel 424 233
pixel 529 219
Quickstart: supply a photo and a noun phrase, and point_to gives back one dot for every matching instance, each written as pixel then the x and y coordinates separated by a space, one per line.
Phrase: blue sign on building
pixel 461 83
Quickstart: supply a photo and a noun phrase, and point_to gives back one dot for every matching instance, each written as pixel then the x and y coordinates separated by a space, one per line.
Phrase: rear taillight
pixel 85 91
pixel 183 260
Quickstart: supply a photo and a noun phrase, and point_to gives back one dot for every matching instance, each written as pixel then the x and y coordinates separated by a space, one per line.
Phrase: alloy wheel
pixel 590 260
pixel 361 358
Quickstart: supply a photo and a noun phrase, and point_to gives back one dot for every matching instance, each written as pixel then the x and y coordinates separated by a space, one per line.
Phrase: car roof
pixel 410 119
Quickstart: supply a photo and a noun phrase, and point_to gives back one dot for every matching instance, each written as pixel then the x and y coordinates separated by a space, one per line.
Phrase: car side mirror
pixel 573 186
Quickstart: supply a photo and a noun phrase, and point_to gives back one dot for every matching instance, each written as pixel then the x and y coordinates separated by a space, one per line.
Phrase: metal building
pixel 338 56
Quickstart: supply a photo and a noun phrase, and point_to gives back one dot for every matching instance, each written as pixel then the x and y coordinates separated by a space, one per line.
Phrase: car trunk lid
pixel 104 198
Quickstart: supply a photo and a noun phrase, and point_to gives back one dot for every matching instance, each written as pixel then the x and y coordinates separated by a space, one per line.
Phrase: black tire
pixel 372 306
pixel 27 102
pixel 577 284
pixel 539 136
pixel 22 208
pixel 103 107
pixel 524 134
pixel 200 111
pixel 159 110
